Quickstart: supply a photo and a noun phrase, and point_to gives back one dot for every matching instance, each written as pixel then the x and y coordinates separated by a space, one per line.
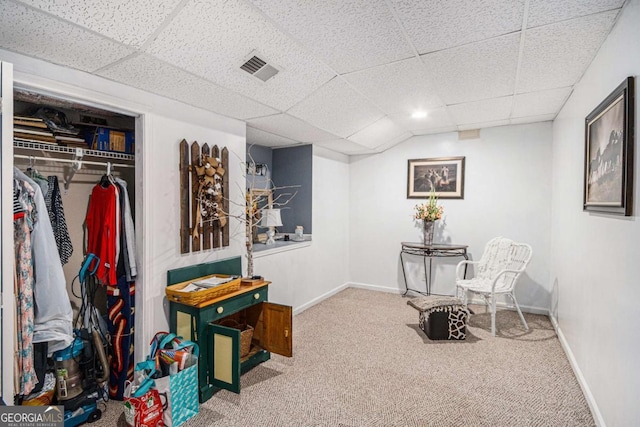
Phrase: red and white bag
pixel 145 410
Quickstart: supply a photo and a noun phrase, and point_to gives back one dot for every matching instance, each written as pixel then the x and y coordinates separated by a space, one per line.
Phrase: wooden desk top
pixel 243 290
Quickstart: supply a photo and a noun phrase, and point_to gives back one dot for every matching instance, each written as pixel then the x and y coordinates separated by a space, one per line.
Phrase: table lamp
pixel 271 219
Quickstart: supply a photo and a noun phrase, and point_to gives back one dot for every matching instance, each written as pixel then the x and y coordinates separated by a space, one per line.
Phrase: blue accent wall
pixel 294 166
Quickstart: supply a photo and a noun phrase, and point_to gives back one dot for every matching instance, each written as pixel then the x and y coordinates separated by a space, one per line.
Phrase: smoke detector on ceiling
pixel 258 67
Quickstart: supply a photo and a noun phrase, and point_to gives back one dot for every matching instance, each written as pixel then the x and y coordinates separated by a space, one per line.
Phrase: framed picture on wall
pixel 609 145
pixel 445 175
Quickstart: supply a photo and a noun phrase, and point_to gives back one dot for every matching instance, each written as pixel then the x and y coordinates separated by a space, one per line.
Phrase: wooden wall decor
pixel 204 197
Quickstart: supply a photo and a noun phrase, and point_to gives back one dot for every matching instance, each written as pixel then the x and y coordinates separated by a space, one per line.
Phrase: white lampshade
pixel 271 218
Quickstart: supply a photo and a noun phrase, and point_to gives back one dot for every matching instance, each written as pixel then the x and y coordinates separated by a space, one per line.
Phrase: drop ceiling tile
pixel 542 12
pixel 393 142
pixel 483 125
pixel 213 38
pixel 345 146
pixel 532 119
pixel 37 34
pixel 260 137
pixel 148 73
pixel 291 127
pixel 475 71
pixel 540 103
pixel 379 133
pixel 129 22
pixel 337 108
pixel 435 25
pixel 488 110
pixel 399 87
pixel 436 118
pixel 347 35
pixel 556 55
pixel 435 130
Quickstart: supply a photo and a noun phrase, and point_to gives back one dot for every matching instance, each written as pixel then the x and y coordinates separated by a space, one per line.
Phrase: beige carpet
pixel 360 360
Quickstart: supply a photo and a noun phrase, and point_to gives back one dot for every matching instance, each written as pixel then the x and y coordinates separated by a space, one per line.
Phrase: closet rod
pixel 84 162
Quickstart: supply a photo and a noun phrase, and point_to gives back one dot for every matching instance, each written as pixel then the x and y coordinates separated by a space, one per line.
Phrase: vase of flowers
pixel 428 213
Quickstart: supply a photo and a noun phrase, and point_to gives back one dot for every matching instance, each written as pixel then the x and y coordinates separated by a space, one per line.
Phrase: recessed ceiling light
pixel 419 115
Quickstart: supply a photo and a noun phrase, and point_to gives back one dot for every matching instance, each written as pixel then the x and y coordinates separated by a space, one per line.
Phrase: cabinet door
pixel 277 320
pixel 224 358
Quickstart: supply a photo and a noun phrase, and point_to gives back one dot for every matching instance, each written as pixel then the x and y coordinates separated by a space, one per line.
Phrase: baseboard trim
pixel 504 305
pixel 319 299
pixel 374 288
pixel 595 411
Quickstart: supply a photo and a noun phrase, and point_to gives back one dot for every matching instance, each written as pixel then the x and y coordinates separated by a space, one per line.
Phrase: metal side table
pixel 434 250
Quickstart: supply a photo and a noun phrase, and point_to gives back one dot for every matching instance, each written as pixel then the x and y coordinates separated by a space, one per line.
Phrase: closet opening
pixel 82 160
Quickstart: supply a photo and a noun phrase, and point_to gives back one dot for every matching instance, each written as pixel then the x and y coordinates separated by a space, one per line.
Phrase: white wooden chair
pixel 497 272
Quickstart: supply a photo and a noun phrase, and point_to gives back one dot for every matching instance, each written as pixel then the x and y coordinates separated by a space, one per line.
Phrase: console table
pixel 434 250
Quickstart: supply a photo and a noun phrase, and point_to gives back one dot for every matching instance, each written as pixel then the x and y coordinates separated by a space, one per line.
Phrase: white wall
pixel 594 256
pixel 163 216
pixel 506 192
pixel 304 276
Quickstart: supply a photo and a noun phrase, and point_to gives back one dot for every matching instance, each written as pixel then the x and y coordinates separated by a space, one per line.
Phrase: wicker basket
pixel 196 299
pixel 246 334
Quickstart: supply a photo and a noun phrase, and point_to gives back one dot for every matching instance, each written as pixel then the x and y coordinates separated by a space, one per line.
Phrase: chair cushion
pixel 433 303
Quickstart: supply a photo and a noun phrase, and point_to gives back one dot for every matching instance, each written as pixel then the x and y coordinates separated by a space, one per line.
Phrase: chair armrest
pixel 461 264
pixel 502 273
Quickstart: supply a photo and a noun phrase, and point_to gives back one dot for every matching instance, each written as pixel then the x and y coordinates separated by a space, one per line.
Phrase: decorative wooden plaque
pixel 204 197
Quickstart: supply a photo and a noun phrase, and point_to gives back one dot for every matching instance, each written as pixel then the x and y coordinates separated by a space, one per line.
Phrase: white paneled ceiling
pixel 126 21
pixel 351 72
pixel 337 108
pixel 487 110
pixel 33 33
pixel 348 35
pixel 397 88
pixel 290 127
pixel 480 70
pixel 435 25
pixel 379 133
pixel 151 74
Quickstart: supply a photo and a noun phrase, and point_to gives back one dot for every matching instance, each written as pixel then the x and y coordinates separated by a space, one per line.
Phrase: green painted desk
pixel 220 364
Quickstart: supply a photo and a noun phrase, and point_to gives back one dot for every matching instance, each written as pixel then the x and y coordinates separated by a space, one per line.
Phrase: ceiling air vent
pixel 259 68
pixel 469 134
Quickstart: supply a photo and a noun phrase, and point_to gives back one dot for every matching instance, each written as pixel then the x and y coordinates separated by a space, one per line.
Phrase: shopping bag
pixel 180 358
pixel 143 405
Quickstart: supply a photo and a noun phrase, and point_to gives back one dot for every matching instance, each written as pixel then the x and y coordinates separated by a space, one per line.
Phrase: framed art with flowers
pixel 609 146
pixel 443 175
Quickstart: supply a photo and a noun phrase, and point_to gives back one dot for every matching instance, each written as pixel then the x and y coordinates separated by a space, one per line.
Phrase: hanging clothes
pixel 111 237
pixel 120 321
pixel 128 230
pixel 38 179
pixel 121 302
pixel 53 314
pixel 102 231
pixel 53 201
pixel 22 228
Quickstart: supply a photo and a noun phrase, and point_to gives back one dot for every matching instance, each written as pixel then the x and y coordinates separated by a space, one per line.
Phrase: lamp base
pixel 270 237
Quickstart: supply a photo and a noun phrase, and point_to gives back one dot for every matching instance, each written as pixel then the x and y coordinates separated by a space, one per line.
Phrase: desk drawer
pixel 225 308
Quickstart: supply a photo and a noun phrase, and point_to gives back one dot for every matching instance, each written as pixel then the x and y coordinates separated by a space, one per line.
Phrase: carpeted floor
pixel 361 360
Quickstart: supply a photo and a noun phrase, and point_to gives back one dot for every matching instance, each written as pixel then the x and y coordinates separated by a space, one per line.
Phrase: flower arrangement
pixel 429 211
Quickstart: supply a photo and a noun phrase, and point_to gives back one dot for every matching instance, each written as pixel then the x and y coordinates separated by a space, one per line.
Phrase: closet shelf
pixel 72 150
